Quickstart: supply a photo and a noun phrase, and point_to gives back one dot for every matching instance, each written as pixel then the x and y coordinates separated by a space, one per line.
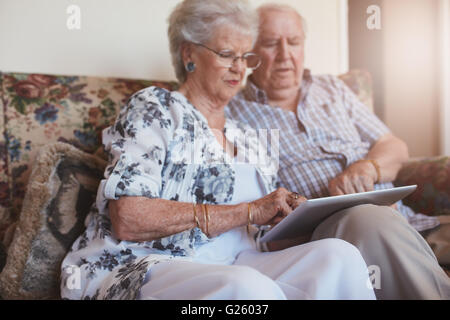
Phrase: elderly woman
pixel 176 213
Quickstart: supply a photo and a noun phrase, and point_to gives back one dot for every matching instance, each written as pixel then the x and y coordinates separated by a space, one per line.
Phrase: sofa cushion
pixel 2 256
pixel 5 197
pixel 62 187
pixel 41 109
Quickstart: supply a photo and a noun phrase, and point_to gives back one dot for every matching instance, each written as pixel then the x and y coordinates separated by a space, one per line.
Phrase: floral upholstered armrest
pixel 432 176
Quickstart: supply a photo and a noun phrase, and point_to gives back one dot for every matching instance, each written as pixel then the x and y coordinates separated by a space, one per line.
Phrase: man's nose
pixel 283 50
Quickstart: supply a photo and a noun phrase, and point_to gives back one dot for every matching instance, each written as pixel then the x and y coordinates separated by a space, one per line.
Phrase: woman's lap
pixel 325 269
pixel 194 281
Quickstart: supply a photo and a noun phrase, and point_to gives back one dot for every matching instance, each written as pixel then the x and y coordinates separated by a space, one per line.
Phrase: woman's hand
pixel 274 207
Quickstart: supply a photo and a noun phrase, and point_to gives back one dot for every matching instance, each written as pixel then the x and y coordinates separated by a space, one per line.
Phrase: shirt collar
pixel 253 93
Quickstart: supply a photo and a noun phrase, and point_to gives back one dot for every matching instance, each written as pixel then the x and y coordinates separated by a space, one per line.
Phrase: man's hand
pixel 358 177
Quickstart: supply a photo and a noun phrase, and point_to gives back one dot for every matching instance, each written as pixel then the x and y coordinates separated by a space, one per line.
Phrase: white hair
pixel 196 21
pixel 285 8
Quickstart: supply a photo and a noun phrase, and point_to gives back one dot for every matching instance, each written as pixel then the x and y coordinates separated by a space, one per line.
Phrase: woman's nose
pixel 239 64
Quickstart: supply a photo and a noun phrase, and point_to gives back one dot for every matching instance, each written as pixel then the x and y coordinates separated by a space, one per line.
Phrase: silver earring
pixel 190 67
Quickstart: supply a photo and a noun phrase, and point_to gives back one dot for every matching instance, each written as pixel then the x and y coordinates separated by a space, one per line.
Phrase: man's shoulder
pixel 326 80
pixel 326 86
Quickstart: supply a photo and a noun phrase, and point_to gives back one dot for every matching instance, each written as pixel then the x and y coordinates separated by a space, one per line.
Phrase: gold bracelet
pixel 250 217
pixel 206 215
pixel 203 213
pixel 377 168
pixel 195 215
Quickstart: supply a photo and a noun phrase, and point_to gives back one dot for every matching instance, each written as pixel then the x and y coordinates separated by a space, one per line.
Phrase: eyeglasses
pixel 228 58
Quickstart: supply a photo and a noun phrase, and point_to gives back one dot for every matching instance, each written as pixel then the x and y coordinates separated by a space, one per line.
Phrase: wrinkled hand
pixel 358 177
pixel 274 207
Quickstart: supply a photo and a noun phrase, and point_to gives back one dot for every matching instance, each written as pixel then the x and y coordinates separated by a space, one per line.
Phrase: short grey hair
pixel 285 8
pixel 196 21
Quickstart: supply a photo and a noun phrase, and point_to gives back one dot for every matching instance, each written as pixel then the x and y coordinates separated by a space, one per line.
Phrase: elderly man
pixel 330 144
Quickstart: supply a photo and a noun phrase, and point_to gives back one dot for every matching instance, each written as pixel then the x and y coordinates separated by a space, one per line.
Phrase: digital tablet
pixel 309 214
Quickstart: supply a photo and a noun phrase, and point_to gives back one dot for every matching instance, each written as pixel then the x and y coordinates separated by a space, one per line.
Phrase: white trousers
pixel 324 269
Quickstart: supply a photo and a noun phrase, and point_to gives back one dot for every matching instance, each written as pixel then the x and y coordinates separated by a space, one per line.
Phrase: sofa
pixel 51 162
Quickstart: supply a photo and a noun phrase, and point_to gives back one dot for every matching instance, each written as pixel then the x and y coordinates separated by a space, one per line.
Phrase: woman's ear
pixel 186 52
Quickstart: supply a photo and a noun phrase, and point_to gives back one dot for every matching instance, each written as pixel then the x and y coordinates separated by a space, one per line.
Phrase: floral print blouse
pixel 159 147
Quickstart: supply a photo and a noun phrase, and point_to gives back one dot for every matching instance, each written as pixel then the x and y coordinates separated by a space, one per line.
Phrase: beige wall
pixel 128 38
pixel 411 86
